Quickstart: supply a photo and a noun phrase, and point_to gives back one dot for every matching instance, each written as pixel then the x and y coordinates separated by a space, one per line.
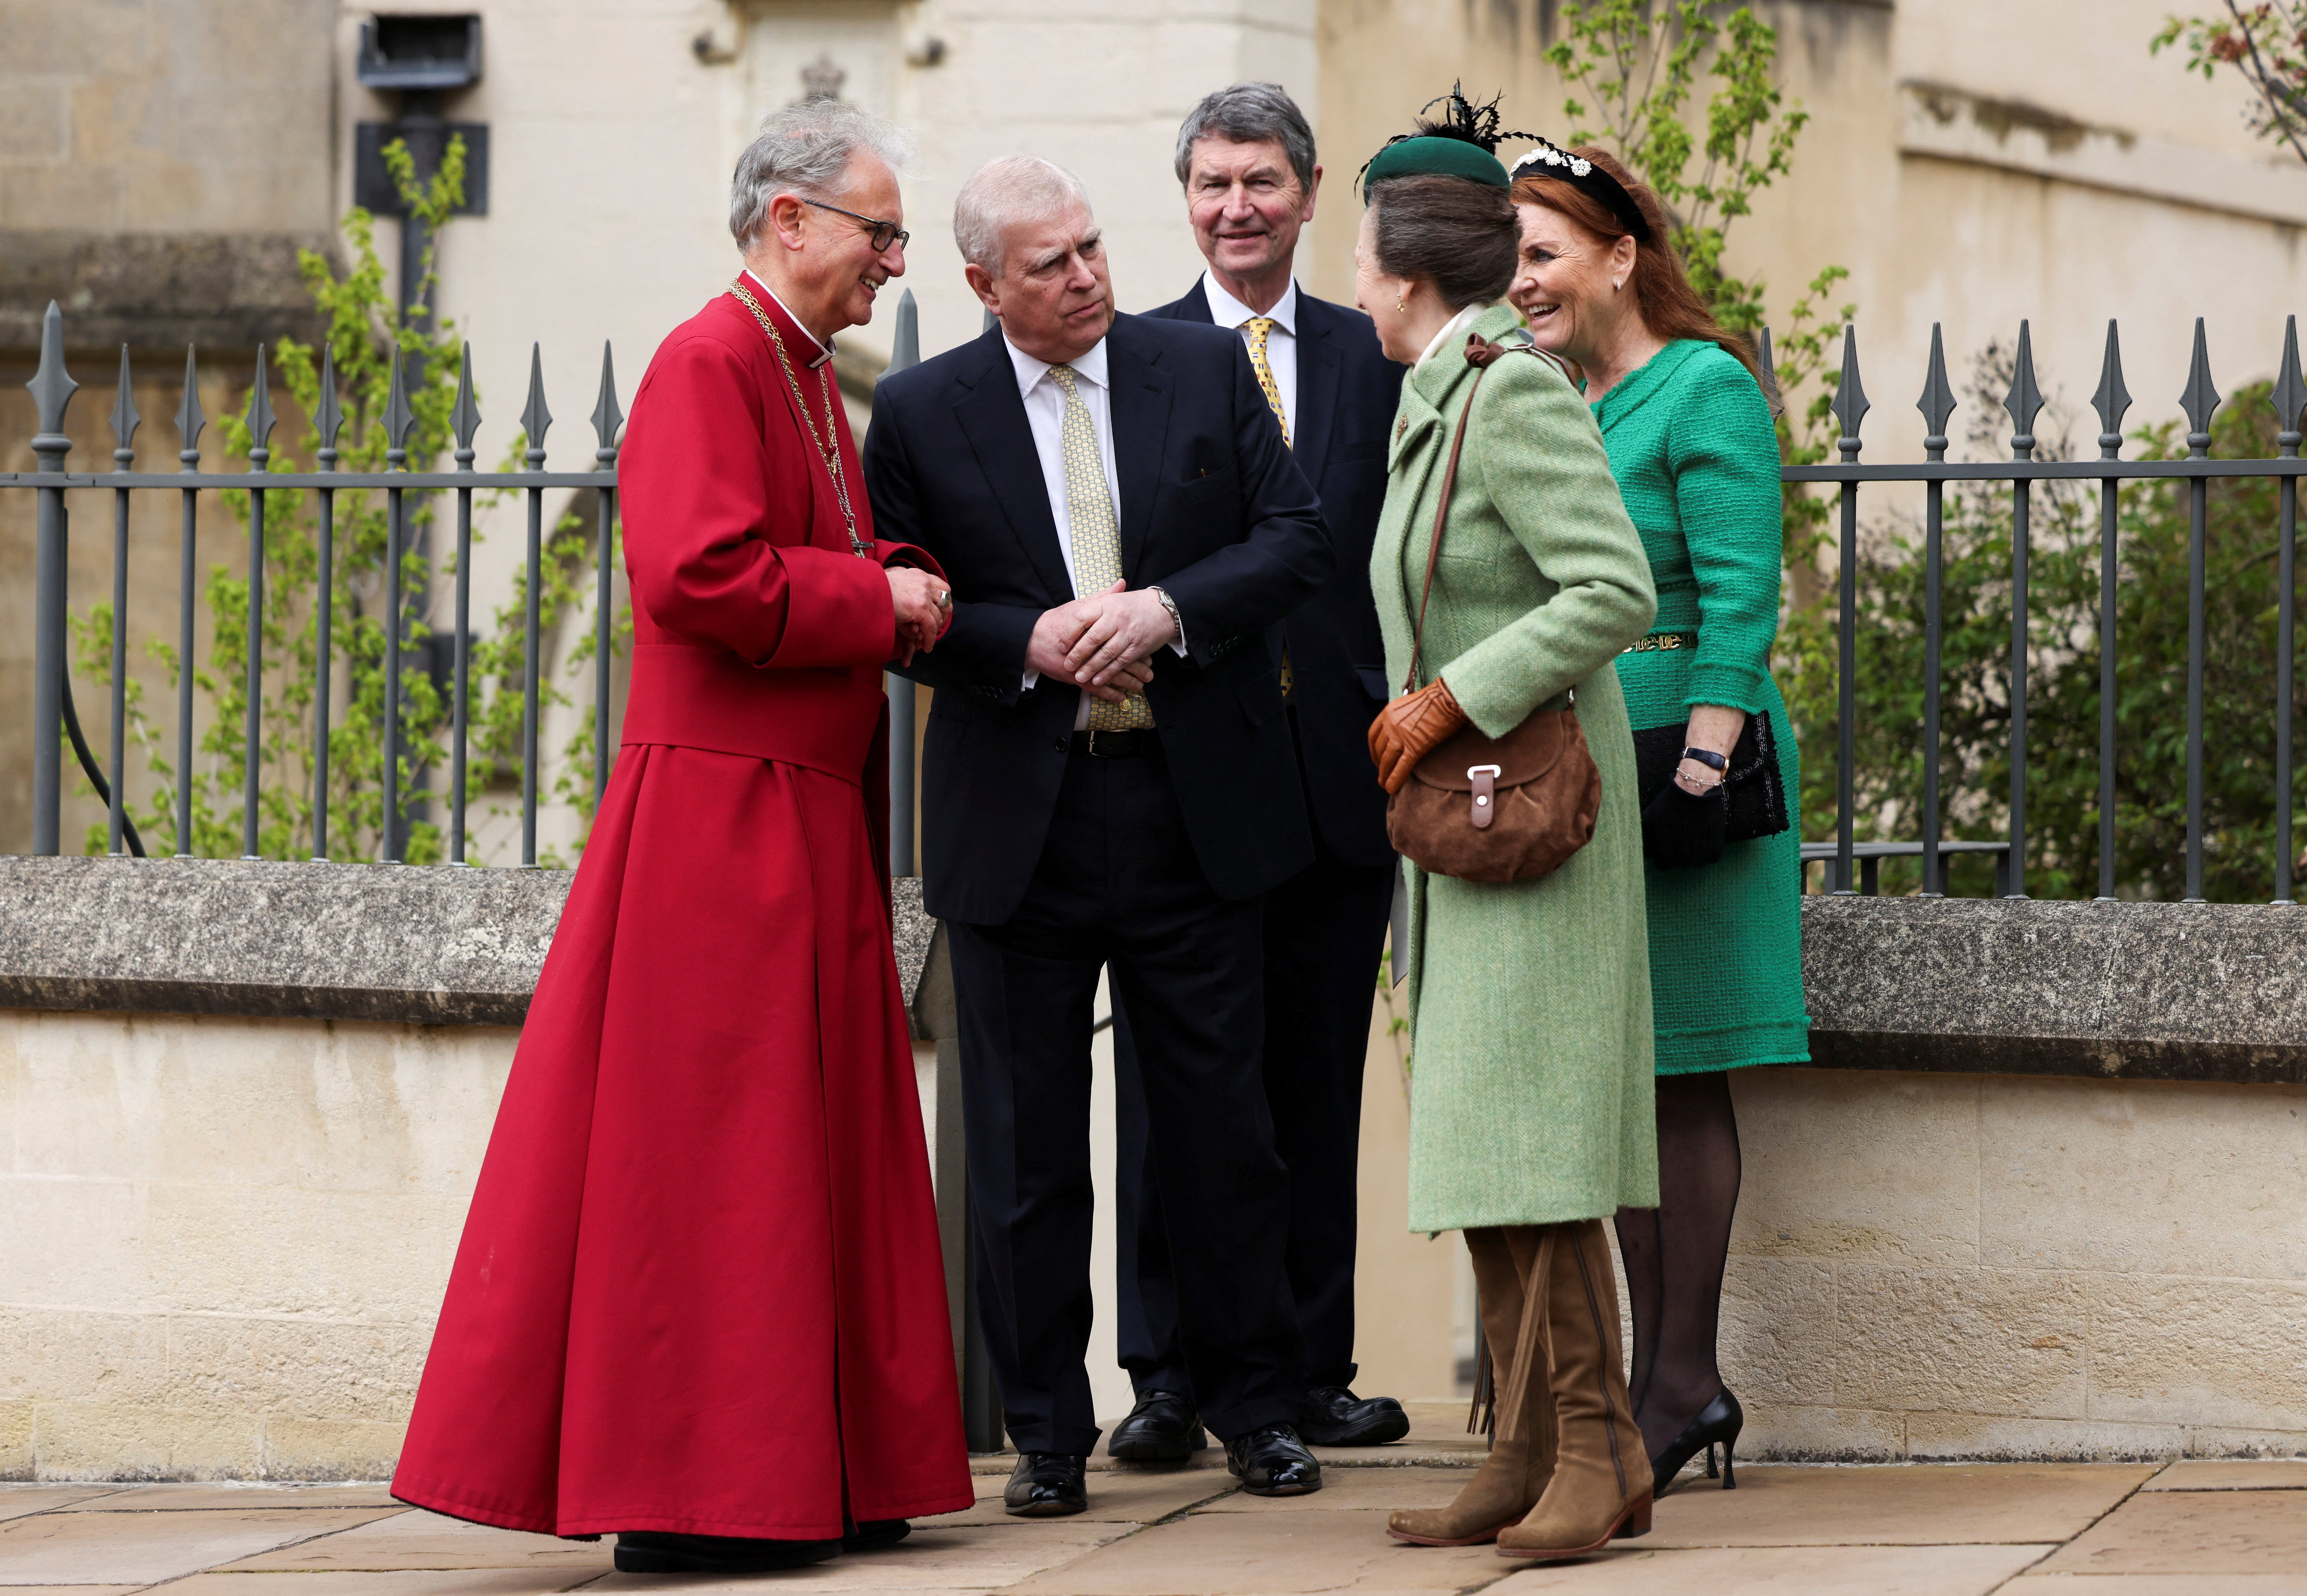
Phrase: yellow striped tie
pixel 1096 536
pixel 1259 326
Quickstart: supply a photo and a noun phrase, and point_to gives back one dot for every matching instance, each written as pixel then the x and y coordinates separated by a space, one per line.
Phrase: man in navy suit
pixel 1245 160
pixel 1109 784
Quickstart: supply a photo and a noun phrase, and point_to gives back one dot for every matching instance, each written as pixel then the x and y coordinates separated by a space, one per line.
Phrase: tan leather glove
pixel 1407 729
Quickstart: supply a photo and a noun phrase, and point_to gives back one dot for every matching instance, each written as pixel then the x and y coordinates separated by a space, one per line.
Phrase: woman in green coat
pixel 1696 453
pixel 1531 1094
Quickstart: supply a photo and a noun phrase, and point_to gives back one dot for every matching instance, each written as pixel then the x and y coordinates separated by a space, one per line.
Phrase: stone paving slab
pixel 1345 1490
pixel 415 1538
pixel 2195 1533
pixel 1246 1554
pixel 1914 1506
pixel 2289 1473
pixel 1118 1496
pixel 400 1582
pixel 992 1557
pixel 231 1496
pixel 2155 1584
pixel 1790 1571
pixel 141 1547
pixel 1437 1439
pixel 17 1501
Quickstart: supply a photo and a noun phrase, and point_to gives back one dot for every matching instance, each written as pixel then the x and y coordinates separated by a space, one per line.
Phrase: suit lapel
pixel 1194 305
pixel 1141 396
pixel 1320 374
pixel 992 417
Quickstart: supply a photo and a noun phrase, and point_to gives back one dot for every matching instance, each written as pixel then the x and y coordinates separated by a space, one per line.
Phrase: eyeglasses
pixel 884 234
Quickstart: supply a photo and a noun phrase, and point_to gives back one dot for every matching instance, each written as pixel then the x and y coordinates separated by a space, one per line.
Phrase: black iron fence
pixel 54 719
pixel 2024 402
pixel 1851 863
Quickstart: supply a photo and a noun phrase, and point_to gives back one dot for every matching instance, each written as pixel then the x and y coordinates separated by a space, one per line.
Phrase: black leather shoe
pixel 1046 1485
pixel 1720 1419
pixel 652 1552
pixel 1337 1417
pixel 1273 1461
pixel 1162 1427
pixel 873 1534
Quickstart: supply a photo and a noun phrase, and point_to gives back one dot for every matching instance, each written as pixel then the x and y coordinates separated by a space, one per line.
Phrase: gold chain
pixel 828 444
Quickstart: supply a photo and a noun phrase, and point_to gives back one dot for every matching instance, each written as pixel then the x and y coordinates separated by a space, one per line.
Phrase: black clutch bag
pixel 1752 787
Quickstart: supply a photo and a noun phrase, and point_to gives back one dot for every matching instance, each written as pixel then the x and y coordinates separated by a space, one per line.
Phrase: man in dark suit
pixel 1108 784
pixel 1245 160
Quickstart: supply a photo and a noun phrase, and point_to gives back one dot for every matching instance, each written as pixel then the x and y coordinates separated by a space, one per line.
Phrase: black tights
pixel 1674 1255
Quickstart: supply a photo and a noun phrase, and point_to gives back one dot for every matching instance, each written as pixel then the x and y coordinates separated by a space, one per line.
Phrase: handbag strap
pixel 1480 353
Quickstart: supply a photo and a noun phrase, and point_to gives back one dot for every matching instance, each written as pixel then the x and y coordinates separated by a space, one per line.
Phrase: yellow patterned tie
pixel 1259 327
pixel 1096 537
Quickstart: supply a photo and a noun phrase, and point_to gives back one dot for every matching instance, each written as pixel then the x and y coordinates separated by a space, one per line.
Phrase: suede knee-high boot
pixel 1601 1486
pixel 1513 1475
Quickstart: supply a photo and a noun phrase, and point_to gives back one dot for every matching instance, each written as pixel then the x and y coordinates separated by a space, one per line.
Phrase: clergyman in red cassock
pixel 699 1301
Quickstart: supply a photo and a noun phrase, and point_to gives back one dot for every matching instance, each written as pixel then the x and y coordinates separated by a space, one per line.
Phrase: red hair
pixel 1669 306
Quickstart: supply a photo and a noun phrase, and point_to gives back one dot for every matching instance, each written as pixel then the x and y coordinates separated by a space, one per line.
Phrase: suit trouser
pixel 1324 933
pixel 1119 888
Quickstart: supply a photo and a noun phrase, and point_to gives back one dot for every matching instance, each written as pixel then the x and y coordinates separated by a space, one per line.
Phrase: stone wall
pixel 226 1216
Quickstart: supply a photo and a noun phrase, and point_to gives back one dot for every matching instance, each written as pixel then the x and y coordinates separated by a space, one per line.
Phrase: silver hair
pixel 1004 190
pixel 805 148
pixel 1249 114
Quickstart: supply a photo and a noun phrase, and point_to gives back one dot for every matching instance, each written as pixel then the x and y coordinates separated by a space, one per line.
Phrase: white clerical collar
pixel 1090 367
pixel 824 353
pixel 1228 311
pixel 1451 329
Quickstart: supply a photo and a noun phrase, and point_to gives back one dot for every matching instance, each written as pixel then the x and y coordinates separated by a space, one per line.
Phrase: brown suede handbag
pixel 1481 808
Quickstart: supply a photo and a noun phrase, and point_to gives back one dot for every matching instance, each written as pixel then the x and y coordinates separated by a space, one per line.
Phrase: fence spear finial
pixel 190 421
pixel 52 389
pixel 2201 400
pixel 260 417
pixel 467 416
pixel 1850 403
pixel 2290 395
pixel 1938 401
pixel 1770 395
pixel 124 420
pixel 535 418
pixel 2112 399
pixel 331 420
pixel 2024 400
pixel 398 418
pixel 607 417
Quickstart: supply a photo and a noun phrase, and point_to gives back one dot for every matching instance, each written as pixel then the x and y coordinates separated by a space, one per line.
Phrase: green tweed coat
pixel 1531 1084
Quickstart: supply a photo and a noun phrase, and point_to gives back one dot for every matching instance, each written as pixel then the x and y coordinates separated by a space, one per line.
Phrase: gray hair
pixel 805 148
pixel 1004 190
pixel 1249 114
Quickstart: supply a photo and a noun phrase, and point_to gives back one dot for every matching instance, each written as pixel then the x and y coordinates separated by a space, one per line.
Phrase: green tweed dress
pixel 1697 461
pixel 1533 1098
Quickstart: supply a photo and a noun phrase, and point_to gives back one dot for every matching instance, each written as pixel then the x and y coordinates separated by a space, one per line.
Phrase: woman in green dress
pixel 1531 1112
pixel 1692 444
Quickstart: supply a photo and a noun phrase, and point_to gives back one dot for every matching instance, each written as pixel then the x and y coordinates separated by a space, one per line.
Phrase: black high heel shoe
pixel 1720 1420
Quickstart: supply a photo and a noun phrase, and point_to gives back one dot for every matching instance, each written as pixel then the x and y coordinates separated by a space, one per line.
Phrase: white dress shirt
pixel 1281 339
pixel 1045 413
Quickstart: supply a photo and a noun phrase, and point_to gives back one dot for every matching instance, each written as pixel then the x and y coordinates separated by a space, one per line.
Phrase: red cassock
pixel 699 1288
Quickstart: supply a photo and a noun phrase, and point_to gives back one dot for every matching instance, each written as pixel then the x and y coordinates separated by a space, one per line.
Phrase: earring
pixel 1400 308
pixel 1614 287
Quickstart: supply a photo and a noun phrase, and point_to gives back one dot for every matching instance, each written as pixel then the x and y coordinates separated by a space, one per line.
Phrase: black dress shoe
pixel 1162 1427
pixel 653 1551
pixel 873 1534
pixel 1046 1485
pixel 1272 1462
pixel 1337 1417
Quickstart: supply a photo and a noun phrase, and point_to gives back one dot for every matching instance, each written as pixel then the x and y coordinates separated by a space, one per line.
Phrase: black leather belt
pixel 1118 744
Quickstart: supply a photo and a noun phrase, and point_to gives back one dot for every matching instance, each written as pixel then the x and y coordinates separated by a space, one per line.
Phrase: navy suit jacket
pixel 1347 394
pixel 1214 509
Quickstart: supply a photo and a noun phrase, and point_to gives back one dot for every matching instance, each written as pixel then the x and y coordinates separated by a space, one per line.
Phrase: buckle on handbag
pixel 1485 778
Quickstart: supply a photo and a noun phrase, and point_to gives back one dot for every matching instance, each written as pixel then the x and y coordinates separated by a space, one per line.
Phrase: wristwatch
pixel 1170 604
pixel 1717 762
